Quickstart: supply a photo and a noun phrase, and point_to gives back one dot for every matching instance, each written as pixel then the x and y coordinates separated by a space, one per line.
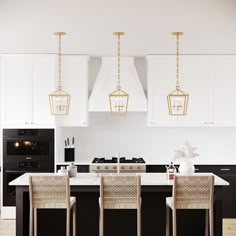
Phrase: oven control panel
pixel 28 164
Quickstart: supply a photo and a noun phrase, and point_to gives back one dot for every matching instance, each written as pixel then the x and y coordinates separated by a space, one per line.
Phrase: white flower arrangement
pixel 186 152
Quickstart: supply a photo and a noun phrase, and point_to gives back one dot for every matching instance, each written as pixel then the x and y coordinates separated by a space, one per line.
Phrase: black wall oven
pixel 25 150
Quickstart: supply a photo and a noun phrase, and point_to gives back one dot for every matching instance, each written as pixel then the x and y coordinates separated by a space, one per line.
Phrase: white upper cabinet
pixel 75 82
pixel 194 80
pixel 210 82
pixel 26 81
pixel 223 87
pixel 161 81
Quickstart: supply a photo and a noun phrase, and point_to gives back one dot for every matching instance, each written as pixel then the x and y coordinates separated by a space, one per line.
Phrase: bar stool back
pixel 120 192
pixel 51 192
pixel 191 192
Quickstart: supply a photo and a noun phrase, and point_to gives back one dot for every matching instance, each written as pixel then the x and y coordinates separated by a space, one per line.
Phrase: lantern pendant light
pixel 118 99
pixel 177 100
pixel 59 100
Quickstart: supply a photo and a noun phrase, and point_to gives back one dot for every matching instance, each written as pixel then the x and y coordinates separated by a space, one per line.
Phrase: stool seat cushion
pixel 187 205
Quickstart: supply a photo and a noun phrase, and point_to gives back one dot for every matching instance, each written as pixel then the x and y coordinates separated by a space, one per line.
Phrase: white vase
pixel 186 167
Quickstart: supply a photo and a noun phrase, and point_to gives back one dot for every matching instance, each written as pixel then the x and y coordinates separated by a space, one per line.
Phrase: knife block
pixel 69 154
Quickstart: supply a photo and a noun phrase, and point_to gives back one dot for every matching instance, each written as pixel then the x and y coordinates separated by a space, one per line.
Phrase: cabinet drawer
pixel 156 168
pixel 223 169
pixel 203 169
pixel 216 169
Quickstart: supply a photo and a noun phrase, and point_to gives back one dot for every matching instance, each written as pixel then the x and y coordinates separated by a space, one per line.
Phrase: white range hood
pixel 106 83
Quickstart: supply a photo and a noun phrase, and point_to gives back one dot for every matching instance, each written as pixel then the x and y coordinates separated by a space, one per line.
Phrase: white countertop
pixel 147 163
pixel 93 179
pixel 107 164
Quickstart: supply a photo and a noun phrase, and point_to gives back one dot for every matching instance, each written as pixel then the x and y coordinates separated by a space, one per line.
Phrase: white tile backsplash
pixel 107 135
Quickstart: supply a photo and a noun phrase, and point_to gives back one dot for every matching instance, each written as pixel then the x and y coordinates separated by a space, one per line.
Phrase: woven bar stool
pixel 51 192
pixel 191 192
pixel 120 192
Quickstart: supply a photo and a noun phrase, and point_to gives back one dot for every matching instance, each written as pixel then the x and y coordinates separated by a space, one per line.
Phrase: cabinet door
pixel 75 82
pixel 223 85
pixel 43 83
pixel 16 73
pixel 161 81
pixel 194 77
pixel 194 80
pixel 228 197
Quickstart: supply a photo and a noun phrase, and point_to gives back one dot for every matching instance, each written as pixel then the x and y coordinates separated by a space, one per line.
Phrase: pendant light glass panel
pixel 177 100
pixel 119 102
pixel 118 98
pixel 59 100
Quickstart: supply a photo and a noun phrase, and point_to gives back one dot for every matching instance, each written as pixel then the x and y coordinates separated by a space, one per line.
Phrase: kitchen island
pixel 155 188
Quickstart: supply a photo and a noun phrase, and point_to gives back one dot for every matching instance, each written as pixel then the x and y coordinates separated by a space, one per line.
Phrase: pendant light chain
pixel 59 99
pixel 59 62
pixel 118 63
pixel 177 61
pixel 177 99
pixel 118 98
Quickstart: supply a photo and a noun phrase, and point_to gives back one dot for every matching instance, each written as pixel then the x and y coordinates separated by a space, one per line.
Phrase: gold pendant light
pixel 177 100
pixel 59 100
pixel 118 99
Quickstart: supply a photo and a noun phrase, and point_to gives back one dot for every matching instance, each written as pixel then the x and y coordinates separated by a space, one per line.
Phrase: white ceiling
pixel 27 26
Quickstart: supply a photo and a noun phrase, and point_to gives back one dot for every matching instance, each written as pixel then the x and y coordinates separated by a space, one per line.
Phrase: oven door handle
pixel 15 171
pixel 25 171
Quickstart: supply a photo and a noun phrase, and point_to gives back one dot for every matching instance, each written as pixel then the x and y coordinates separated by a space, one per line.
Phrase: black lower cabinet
pixel 80 168
pixel 116 222
pixel 228 197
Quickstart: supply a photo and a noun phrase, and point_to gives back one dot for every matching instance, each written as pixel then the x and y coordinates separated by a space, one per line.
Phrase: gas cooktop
pixel 115 160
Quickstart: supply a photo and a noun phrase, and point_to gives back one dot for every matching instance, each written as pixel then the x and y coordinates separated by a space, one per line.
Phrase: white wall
pixel 130 136
pixel 27 26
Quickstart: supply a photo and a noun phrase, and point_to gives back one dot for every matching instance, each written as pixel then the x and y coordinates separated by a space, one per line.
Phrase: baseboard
pixel 8 213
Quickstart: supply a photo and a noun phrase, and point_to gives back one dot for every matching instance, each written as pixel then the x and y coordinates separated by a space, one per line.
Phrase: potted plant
pixel 186 154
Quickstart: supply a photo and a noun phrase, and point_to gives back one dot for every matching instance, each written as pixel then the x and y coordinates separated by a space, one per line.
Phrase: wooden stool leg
pixel 101 222
pixel 139 221
pixel 74 220
pixel 206 222
pixel 211 222
pixel 68 222
pixel 167 220
pixel 31 222
pixel 174 222
pixel 35 222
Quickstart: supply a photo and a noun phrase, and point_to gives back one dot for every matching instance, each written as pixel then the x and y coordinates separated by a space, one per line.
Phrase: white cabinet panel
pixel 75 82
pixel 26 82
pixel 43 84
pixel 223 87
pixel 161 81
pixel 194 80
pixel 194 76
pixel 15 75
